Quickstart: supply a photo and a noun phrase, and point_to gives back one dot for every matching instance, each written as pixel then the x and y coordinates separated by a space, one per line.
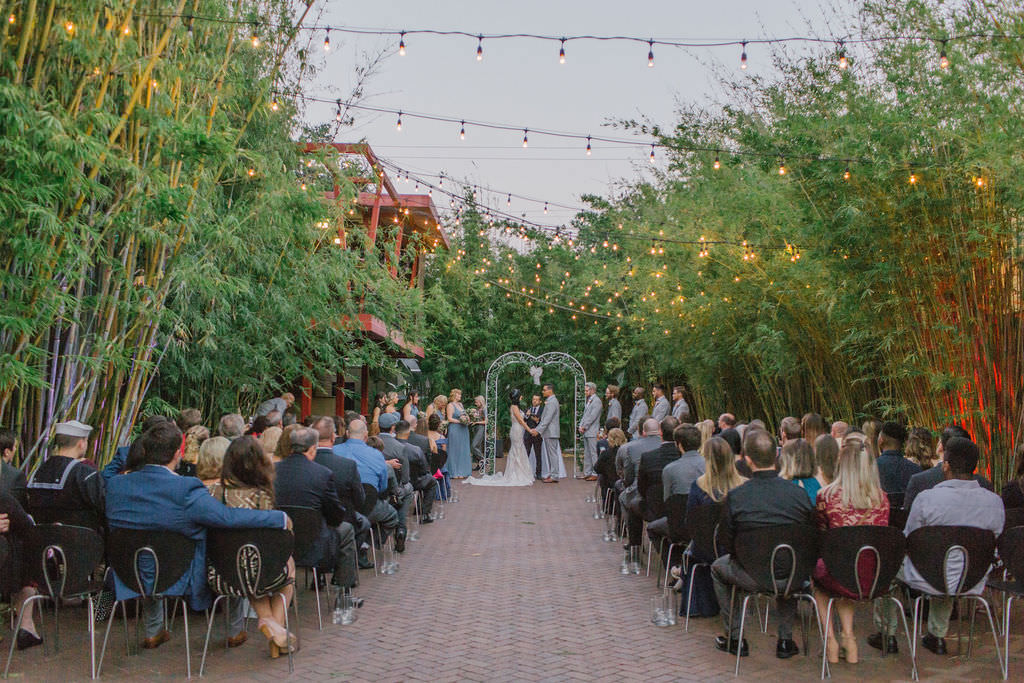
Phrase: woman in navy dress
pixel 460 462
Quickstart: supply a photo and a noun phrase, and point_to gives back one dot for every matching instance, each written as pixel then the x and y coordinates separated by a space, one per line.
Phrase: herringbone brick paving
pixel 513 585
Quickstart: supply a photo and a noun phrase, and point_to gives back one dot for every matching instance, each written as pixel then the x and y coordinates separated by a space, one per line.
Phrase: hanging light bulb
pixel 69 26
pixel 588 145
pixel 188 24
pixel 462 131
pixel 327 41
pixel 912 179
pixel 508 202
pixel 782 166
pixel 479 48
pixel 561 53
pixel 652 153
pixel 11 19
pixel 743 56
pixel 337 116
pixel 843 63
pixel 525 133
pixel 718 164
pixel 846 173
pixel 943 59
pixel 398 125
pixel 255 39
pixel 401 44
pixel 650 53
pixel 546 209
pixel 274 105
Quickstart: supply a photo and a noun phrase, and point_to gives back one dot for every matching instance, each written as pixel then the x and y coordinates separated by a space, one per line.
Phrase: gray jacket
pixel 678 476
pixel 636 417
pixel 661 409
pixel 591 416
pixel 681 409
pixel 614 409
pixel 549 420
pixel 627 459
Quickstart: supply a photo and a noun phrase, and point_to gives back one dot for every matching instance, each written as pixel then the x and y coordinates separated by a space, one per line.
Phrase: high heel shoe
pixel 268 633
pixel 849 648
pixel 832 650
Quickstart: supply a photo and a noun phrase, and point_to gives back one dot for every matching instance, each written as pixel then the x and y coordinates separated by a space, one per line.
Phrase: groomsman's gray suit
pixel 681 409
pixel 614 409
pixel 549 430
pixel 588 423
pixel 661 409
pixel 637 417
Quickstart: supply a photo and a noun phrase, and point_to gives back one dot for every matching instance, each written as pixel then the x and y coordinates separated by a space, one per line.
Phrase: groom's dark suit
pixel 532 418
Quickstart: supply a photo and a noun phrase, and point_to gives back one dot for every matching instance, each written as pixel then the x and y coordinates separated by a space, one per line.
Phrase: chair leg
pixel 188 650
pixel 668 564
pixel 1006 635
pixel 316 592
pixel 287 634
pixel 913 640
pixel 27 605
pixel 209 628
pixel 689 595
pixel 373 548
pixel 824 649
pixel 739 639
pixel 56 625
pixel 90 614
pixel 991 625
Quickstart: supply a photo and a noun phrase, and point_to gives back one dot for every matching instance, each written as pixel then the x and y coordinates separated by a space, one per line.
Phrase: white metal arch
pixel 506 360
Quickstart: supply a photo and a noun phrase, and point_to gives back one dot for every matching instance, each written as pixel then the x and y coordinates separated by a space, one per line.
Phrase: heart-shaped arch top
pixel 535 362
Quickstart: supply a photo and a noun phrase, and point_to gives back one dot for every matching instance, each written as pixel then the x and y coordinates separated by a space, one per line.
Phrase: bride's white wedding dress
pixel 517 468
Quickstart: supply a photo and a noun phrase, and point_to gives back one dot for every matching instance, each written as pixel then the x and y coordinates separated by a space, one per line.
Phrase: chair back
pixel 307 523
pixel 843 547
pixel 248 561
pixel 675 512
pixel 963 553
pixel 895 500
pixel 786 553
pixel 1011 552
pixel 1014 517
pixel 371 499
pixel 702 526
pixel 898 518
pixel 60 558
pixel 654 499
pixel 147 557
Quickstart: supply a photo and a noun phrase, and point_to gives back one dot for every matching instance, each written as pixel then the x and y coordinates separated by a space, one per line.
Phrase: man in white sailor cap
pixel 65 489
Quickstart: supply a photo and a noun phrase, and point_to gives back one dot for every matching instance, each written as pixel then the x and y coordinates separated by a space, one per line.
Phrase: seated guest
pixel 959 500
pixel 719 477
pixel 839 430
pixel 605 465
pixel 15 525
pixel 284 443
pixel 797 464
pixel 627 461
pixel 789 430
pixel 268 440
pixel 231 426
pixel 259 425
pixel 64 489
pixel 211 457
pixel 12 479
pixel 812 426
pixel 854 498
pixel 348 484
pixel 922 481
pixel 826 453
pixel 894 470
pixel 726 421
pixel 439 451
pixel 420 475
pixel 677 464
pixel 920 447
pixel 195 436
pixel 155 498
pixel 602 443
pixel 300 482
pixel 732 437
pixel 765 500
pixel 1013 492
pixel 397 457
pixel 247 481
pixel 706 429
pixel 372 470
pixel 872 429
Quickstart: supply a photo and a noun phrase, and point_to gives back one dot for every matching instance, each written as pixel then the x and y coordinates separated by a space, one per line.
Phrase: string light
pixel 11 19
pixel 255 39
pixel 188 24
pixel 718 164
pixel 652 153
pixel 274 105
pixel 588 145
pixel 337 116
pixel 846 173
pixel 545 208
pixel 462 131
pixel 525 133
pixel 743 56
pixel 561 52
pixel 508 202
pixel 69 26
pixel 327 41
pixel 480 48
pixel 843 62
pixel 943 59
pixel 398 125
pixel 650 53
pixel 401 44
pixel 782 166
pixel 912 179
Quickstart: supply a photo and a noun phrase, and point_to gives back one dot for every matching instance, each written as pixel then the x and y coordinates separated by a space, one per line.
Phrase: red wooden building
pixel 377 204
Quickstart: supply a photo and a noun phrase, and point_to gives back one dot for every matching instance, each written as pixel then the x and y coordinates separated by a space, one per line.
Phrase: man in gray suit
pixel 680 408
pixel 549 430
pixel 588 428
pixel 661 404
pixel 638 414
pixel 614 407
pixel 630 466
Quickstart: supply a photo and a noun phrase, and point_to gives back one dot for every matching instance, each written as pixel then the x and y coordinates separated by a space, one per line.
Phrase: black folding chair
pixel 702 527
pixel 168 556
pixel 248 562
pixel 678 536
pixel 932 550
pixel 307 525
pixel 653 508
pixel 779 559
pixel 61 560
pixel 1011 552
pixel 1014 518
pixel 376 532
pixel 842 550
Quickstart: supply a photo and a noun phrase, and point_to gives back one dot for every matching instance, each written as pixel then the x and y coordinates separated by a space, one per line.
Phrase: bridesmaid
pixel 460 463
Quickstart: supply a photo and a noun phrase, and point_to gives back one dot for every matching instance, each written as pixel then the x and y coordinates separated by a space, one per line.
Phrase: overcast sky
pixel 520 82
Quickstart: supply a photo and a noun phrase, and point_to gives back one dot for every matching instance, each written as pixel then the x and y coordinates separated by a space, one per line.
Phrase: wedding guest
pixel 372 470
pixel 268 440
pixel 605 466
pixel 284 443
pixel 765 500
pixel 797 465
pixel 348 485
pixel 662 408
pixel 726 421
pixel 188 418
pixel 812 426
pixel 789 430
pixel 839 430
pixel 627 462
pixel 706 429
pixel 680 408
pixel 231 426
pixel 1013 492
pixel 927 479
pixel 281 404
pixel 12 479
pixel 638 414
pixel 920 447
pixel 439 446
pixel 420 474
pixel 894 470
pixel 64 489
pixel 247 481
pixel 679 475
pixel 258 426
pixel 460 464
pixel 195 437
pixel 732 437
pixel 655 481
pixel 854 498
pixel 602 443
pixel 211 459
pixel 872 428
pixel 826 453
pixel 611 393
pixel 15 527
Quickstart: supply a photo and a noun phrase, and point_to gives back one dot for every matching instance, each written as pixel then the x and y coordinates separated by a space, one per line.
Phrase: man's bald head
pixel 325 429
pixel 357 429
pixel 652 427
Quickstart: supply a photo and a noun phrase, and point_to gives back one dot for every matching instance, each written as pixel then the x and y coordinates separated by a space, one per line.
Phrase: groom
pixel 549 430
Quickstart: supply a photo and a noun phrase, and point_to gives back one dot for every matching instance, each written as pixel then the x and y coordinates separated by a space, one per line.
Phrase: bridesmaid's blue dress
pixel 460 462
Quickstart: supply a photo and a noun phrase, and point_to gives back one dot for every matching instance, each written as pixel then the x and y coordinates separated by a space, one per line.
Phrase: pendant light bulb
pixel 337 115
pixel 401 45
pixel 561 53
pixel 545 208
pixel 943 59
pixel 846 173
pixel 462 131
pixel 525 140
pixel 718 164
pixel 398 126
pixel 652 153
pixel 650 53
pixel 743 56
pixel 327 41
pixel 588 145
pixel 479 48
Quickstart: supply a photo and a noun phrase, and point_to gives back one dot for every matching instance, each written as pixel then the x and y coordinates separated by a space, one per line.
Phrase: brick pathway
pixel 514 585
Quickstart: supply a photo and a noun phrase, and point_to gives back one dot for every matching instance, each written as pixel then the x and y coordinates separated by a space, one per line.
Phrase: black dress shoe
pixel 400 542
pixel 934 643
pixel 730 644
pixel 786 648
pixel 365 563
pixel 426 520
pixel 891 647
pixel 26 640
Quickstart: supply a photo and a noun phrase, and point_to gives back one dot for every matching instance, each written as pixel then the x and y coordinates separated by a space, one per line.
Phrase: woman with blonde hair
pixel 871 428
pixel 438 406
pixel 854 498
pixel 460 460
pixel 706 429
pixel 194 438
pixel 605 465
pixel 284 443
pixel 920 447
pixel 211 457
pixel 268 440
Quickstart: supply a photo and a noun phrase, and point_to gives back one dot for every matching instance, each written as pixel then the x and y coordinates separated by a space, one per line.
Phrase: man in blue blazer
pixel 154 497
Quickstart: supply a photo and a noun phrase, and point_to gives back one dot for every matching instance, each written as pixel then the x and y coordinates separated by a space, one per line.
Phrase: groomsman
pixel 614 407
pixel 680 408
pixel 661 405
pixel 638 414
pixel 588 428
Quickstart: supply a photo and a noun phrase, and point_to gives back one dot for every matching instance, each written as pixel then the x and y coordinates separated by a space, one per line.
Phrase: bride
pixel 517 468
